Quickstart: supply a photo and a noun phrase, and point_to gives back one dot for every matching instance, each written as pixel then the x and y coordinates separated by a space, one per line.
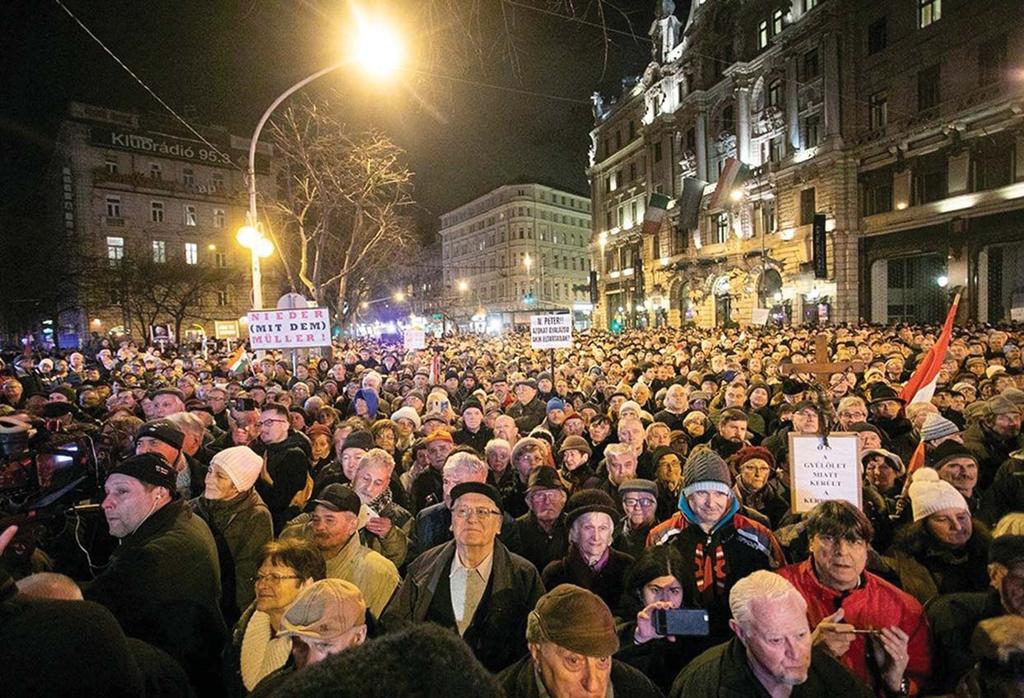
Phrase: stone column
pixel 743 119
pixel 830 86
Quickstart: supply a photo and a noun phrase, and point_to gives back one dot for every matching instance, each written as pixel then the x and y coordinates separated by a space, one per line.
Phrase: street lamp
pixel 399 297
pixel 259 247
pixel 379 51
pixel 463 286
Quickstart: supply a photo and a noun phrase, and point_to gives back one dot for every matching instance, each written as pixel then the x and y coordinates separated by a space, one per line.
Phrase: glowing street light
pixel 942 281
pixel 463 286
pixel 376 47
pixel 399 297
pixel 259 247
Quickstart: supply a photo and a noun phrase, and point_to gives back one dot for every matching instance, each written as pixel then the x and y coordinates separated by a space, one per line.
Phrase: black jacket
pixel 529 415
pixel 520 681
pixel 537 545
pixel 953 619
pixel 497 634
pixel 163 586
pixel 609 583
pixel 288 467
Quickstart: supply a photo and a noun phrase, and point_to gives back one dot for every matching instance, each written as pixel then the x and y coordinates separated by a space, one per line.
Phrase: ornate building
pixel 883 153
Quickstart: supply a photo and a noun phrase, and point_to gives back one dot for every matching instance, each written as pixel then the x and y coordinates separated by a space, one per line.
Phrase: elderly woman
pixel 388 526
pixel 322 444
pixel 528 453
pixel 884 470
pixel 945 550
pixel 754 467
pixel 284 568
pixel 239 520
pixel 591 562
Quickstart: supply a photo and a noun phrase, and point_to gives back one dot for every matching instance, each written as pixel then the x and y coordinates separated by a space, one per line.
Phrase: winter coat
pixel 520 681
pixel 241 527
pixel 724 672
pixel 1007 491
pixel 926 568
pixel 163 586
pixel 631 541
pixel 990 450
pixel 609 582
pixel 497 633
pixel 953 619
pixel 537 545
pixel 529 415
pixel 874 604
pixel 477 441
pixel 288 469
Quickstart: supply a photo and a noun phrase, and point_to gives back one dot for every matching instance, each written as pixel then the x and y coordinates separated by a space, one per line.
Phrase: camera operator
pixel 146 586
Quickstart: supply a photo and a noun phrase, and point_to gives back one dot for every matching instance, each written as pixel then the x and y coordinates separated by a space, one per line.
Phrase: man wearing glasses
pixel 640 502
pixel 286 467
pixel 472 584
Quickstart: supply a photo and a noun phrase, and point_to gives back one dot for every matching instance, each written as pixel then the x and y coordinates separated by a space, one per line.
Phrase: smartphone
pixel 866 631
pixel 690 622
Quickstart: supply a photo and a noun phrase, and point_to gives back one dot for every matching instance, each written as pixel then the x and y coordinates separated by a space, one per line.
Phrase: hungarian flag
pixel 921 385
pixel 657 208
pixel 734 174
pixel 239 360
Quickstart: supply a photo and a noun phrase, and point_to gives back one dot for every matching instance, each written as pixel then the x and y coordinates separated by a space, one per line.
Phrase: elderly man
pixel 993 438
pixel 571 638
pixel 639 499
pixel 194 432
pixel 426 488
pixel 954 617
pixel 631 431
pixel 332 528
pixel 957 465
pixel 326 618
pixel 675 407
pixel 472 584
pixel 473 432
pixel 725 546
pixel 842 598
pixel 163 581
pixel 621 464
pixel 168 401
pixel 529 410
pixel 541 534
pixel 388 527
pixel 505 428
pixel 771 655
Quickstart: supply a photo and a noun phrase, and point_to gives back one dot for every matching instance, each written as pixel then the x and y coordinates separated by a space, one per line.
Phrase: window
pixel 115 250
pixel 810 5
pixel 222 297
pixel 993 165
pixel 159 251
pixel 632 172
pixel 191 253
pixel 877 36
pixel 110 164
pixel 928 88
pixel 762 34
pixel 775 94
pixel 218 218
pixel 929 179
pixel 812 130
pixel 878 111
pixel 776 152
pixel 721 229
pixel 188 177
pixel 190 214
pixel 928 11
pixel 220 260
pixel 992 60
pixel 691 140
pixel 768 216
pixel 155 171
pixel 156 211
pixel 807 206
pixel 877 192
pixel 777 22
pixel 113 207
pixel 657 152
pixel 217 181
pixel 810 65
pixel 728 120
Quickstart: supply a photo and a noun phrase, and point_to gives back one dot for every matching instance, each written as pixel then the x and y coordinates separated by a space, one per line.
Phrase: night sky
pixel 228 59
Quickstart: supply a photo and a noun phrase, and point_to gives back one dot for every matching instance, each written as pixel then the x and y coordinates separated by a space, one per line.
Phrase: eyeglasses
pixel 268 422
pixel 273 578
pixel 630 502
pixel 479 512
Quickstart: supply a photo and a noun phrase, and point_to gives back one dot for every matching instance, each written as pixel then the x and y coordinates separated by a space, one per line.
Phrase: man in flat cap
pixel 571 637
pixel 148 586
pixel 994 437
pixel 529 410
pixel 472 584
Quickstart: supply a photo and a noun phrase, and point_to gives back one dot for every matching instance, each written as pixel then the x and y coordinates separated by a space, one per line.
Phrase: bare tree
pixel 340 207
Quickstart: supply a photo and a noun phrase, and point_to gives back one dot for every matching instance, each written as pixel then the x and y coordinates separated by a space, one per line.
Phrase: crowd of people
pixel 612 518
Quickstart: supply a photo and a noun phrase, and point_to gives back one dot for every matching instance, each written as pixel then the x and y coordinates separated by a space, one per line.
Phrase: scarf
pixel 262 653
pixel 382 503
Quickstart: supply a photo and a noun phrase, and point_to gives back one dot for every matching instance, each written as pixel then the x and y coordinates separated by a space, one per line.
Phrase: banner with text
pixel 551 331
pixel 289 329
pixel 415 339
pixel 824 468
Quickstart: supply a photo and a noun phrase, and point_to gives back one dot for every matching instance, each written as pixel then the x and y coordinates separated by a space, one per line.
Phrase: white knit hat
pixel 241 464
pixel 631 405
pixel 406 413
pixel 929 494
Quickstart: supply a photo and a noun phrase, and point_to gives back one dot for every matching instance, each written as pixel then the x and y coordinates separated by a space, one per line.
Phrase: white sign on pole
pixel 415 339
pixel 759 316
pixel 551 331
pixel 225 329
pixel 289 329
pixel 824 468
pixel 1017 314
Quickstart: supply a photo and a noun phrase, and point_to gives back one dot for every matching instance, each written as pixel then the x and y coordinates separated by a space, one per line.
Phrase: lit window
pixel 762 35
pixel 190 215
pixel 218 218
pixel 220 259
pixel 721 228
pixel 810 5
pixel 928 11
pixel 777 22
pixel 156 211
pixel 191 253
pixel 115 250
pixel 159 251
pixel 222 297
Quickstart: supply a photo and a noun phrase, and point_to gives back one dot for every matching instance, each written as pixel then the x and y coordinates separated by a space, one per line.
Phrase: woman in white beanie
pixel 240 522
pixel 944 550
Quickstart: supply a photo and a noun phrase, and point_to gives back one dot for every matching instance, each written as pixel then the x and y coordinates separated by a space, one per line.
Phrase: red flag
pixel 921 385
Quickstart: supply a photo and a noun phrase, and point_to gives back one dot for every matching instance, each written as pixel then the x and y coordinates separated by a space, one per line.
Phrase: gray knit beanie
pixel 936 426
pixel 705 470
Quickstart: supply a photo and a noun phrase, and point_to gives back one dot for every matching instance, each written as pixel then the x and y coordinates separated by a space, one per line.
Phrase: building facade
pixel 518 248
pixel 129 186
pixel 894 128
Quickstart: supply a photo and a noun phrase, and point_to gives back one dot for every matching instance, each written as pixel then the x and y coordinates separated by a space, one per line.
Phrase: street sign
pixel 437 317
pixel 225 329
pixel 818 246
pixel 551 331
pixel 289 329
pixel 415 339
pixel 824 468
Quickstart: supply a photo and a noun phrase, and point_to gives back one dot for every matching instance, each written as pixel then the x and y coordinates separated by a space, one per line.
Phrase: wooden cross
pixel 822 369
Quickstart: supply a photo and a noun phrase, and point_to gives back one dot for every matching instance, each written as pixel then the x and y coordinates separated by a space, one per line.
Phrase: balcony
pixel 138 181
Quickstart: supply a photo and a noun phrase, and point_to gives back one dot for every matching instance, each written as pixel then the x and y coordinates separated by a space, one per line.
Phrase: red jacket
pixel 874 604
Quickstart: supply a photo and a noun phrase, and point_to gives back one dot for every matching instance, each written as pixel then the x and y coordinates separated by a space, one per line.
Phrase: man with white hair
pixel 772 653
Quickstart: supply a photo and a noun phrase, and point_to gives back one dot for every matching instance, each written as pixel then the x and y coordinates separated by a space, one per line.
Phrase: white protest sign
pixel 759 316
pixel 289 329
pixel 1017 314
pixel 824 468
pixel 551 331
pixel 415 339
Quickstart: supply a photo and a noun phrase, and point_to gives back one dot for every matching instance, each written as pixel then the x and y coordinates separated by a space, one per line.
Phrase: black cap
pixel 338 497
pixel 150 468
pixel 526 381
pixel 360 438
pixel 589 501
pixel 57 409
pixel 489 491
pixel 470 403
pixel 162 430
